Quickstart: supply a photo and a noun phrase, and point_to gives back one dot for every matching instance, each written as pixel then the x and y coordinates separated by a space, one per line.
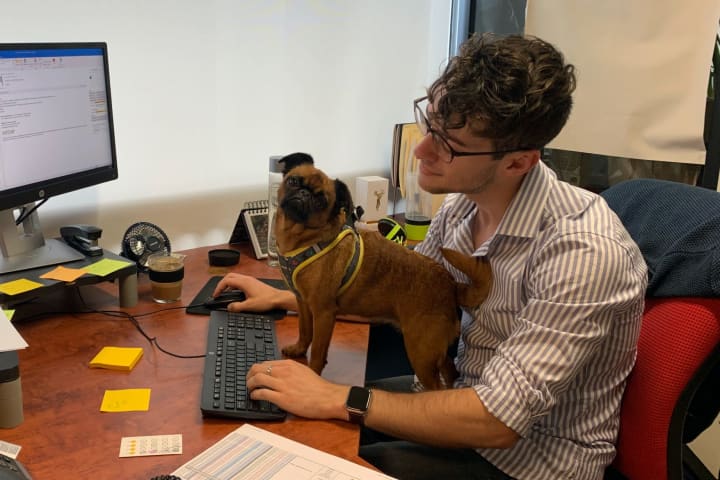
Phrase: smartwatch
pixel 357 404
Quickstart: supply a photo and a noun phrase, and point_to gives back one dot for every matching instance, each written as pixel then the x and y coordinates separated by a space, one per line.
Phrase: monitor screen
pixel 56 136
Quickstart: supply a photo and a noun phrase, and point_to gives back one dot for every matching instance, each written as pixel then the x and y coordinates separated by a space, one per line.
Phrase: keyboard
pixel 235 342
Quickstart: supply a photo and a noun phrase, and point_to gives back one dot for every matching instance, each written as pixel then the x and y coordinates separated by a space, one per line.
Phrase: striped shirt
pixel 549 351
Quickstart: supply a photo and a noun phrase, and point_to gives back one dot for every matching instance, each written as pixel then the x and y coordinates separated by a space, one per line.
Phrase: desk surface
pixel 64 434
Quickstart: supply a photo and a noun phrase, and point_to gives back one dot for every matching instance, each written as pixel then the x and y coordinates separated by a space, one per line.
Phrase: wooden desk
pixel 65 436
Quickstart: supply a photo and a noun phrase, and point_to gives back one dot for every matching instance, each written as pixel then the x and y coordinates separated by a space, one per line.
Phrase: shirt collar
pixel 525 211
pixel 524 214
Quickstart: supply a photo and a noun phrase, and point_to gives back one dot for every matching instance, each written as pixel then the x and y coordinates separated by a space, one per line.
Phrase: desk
pixel 65 436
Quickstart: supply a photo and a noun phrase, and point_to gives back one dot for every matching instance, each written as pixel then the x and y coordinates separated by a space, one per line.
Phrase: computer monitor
pixel 56 136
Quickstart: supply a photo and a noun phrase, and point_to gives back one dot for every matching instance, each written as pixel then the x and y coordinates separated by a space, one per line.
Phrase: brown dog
pixel 334 270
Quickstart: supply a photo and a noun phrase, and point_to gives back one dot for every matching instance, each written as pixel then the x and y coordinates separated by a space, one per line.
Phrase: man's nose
pixel 426 149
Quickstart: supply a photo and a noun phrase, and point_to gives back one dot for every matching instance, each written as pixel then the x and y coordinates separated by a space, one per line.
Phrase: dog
pixel 335 270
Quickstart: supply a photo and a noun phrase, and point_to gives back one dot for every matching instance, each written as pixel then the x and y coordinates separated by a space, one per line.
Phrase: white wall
pixel 204 92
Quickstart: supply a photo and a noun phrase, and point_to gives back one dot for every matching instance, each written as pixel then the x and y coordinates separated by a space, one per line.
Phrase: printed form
pixel 252 453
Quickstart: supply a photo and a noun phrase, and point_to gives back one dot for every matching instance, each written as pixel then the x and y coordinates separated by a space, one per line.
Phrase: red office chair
pixel 677 374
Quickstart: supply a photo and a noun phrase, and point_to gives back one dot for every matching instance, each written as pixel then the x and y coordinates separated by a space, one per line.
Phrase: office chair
pixel 668 399
pixel 671 395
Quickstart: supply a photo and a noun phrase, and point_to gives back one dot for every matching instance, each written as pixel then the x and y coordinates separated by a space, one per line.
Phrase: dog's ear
pixel 294 159
pixel 343 200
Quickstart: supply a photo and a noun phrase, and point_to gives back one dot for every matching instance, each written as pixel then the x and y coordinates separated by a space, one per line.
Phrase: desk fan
pixel 141 240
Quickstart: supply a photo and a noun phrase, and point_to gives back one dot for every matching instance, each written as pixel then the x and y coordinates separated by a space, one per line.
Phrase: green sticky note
pixel 106 266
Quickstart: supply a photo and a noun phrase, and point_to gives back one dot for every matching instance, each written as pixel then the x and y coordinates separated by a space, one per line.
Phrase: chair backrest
pixel 679 346
pixel 677 228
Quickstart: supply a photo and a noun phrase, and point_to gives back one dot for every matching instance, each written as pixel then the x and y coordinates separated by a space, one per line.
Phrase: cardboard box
pixel 372 194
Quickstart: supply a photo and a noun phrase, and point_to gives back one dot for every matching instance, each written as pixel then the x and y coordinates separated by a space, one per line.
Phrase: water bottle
pixel 418 209
pixel 274 179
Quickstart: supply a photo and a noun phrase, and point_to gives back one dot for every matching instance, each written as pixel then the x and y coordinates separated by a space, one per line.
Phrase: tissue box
pixel 372 194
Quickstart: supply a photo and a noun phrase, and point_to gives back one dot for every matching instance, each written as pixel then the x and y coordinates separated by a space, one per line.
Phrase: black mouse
pixel 224 299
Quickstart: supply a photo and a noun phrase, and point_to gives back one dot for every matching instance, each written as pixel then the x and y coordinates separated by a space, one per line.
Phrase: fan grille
pixel 143 239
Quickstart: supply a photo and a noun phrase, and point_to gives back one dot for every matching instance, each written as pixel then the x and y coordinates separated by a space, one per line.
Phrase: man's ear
pixel 343 200
pixel 519 163
pixel 294 159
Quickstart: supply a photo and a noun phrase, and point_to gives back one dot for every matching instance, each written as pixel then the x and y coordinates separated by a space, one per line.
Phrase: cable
pixel 24 214
pixel 123 315
pixel 138 327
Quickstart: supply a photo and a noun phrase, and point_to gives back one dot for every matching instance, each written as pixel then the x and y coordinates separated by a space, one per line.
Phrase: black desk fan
pixel 141 240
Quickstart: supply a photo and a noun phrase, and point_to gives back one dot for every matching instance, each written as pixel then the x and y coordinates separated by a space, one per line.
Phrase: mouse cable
pixel 138 327
pixel 118 314
pixel 115 314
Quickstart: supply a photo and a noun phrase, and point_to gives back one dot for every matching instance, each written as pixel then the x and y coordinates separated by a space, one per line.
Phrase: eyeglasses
pixel 424 126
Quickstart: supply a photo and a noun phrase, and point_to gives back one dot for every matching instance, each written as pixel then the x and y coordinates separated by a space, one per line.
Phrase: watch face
pixel 358 399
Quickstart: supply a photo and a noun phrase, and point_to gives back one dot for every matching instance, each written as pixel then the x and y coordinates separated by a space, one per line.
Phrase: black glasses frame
pixel 423 125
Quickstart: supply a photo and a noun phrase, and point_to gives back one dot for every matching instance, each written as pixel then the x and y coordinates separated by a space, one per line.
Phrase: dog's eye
pixel 320 201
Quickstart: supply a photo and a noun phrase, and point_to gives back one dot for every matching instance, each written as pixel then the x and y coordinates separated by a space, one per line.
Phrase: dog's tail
pixel 480 273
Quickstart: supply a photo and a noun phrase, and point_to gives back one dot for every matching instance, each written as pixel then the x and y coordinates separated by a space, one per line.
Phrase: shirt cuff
pixel 510 397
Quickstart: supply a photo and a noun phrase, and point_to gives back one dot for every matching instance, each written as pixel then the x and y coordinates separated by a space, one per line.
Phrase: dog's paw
pixel 294 351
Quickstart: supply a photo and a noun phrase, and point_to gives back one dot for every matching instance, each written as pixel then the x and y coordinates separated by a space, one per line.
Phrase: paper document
pixel 251 453
pixel 10 339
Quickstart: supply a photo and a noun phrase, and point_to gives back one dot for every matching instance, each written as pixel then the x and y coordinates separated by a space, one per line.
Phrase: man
pixel 544 360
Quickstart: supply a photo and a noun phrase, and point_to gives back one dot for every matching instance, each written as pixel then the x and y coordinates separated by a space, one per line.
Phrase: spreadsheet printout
pixel 252 453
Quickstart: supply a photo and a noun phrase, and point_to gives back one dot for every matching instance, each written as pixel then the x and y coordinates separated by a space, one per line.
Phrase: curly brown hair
pixel 515 90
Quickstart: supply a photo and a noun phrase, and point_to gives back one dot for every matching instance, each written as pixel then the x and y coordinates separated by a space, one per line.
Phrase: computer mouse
pixel 224 299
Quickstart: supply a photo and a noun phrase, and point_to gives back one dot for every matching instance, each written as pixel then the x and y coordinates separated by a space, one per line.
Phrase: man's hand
pixel 295 388
pixel 261 297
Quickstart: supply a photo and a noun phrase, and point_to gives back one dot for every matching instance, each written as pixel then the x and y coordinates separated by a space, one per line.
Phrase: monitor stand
pixel 53 252
pixel 25 248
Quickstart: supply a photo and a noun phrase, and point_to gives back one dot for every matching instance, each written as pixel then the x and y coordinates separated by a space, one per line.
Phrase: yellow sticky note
pixel 9 314
pixel 64 274
pixel 19 286
pixel 106 266
pixel 127 400
pixel 117 358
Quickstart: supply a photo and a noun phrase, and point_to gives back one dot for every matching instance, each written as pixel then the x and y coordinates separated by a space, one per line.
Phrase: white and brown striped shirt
pixel 549 351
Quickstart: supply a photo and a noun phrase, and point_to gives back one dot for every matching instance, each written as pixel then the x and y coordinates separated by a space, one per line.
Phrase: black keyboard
pixel 235 342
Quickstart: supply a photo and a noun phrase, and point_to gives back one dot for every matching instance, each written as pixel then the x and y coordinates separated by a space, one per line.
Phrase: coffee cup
pixel 166 272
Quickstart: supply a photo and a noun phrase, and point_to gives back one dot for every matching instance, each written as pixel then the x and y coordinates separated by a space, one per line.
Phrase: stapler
pixel 83 238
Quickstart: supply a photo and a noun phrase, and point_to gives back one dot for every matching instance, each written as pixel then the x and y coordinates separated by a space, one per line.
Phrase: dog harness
pixel 292 263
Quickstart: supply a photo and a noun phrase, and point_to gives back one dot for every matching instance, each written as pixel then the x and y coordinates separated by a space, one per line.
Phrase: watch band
pixel 357 404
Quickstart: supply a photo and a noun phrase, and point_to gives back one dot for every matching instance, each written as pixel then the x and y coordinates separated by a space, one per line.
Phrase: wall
pixel 204 92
